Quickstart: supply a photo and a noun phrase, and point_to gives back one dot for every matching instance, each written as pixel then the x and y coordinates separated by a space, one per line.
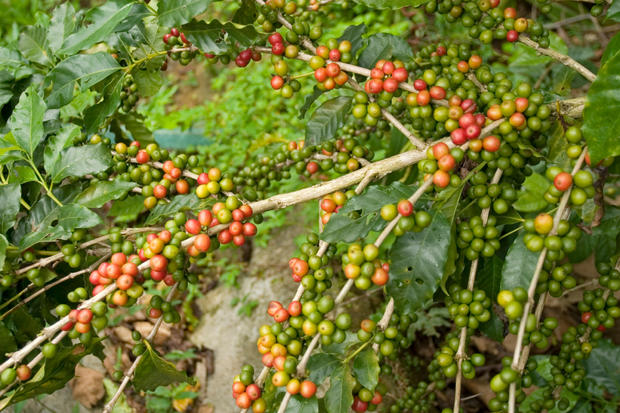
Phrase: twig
pixel 562 58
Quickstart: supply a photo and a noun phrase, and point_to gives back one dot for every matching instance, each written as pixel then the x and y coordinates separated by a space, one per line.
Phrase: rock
pixel 87 386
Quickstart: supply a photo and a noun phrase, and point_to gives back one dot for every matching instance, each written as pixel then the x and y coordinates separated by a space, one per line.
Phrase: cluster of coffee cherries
pixel 444 359
pixel 538 235
pixel 580 186
pixel 410 220
pixel 123 271
pixel 230 212
pixel 597 311
pixel 247 393
pixel 477 239
pixel 82 322
pixel 129 94
pixel 386 76
pixel 363 266
pixel 445 163
pixel 175 38
pixel 496 195
pixel 417 398
pixel 507 375
pixel 363 398
pixel 280 81
pixel 326 71
pixel 268 19
pixel 23 372
pixel 246 56
pixel 512 302
pixel 487 22
pixel 555 279
pixel 331 204
pixel 468 308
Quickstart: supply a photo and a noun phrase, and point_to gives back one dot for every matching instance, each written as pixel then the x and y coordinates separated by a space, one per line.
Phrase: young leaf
pixel 299 404
pixel 104 19
pixel 366 368
pixel 101 192
pixel 59 224
pixel 384 46
pixel 327 119
pixel 33 45
pixel 20 174
pixel 154 371
pixel 531 194
pixel 354 35
pixel 418 262
pixel 360 215
pixel 9 199
pixel 519 266
pixel 321 366
pixel 80 161
pixel 88 69
pixel 339 397
pixel 26 122
pixel 601 120
pixel 173 13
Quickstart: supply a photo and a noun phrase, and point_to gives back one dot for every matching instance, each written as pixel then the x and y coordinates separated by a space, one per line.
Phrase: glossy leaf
pixel 601 120
pixel 366 368
pixel 613 13
pixel 173 13
pixel 80 161
pixel 308 101
pixel 246 13
pixel 327 119
pixel 489 275
pixel 603 366
pixel 519 265
pixel 299 404
pixel 9 199
pixel 384 46
pixel 530 197
pixel 56 144
pixel 3 244
pixel 127 209
pixel 179 203
pixel 321 366
pixel 95 115
pixel 154 371
pixel 339 398
pixel 59 224
pixel 33 45
pixel 360 214
pixel 87 69
pixel 26 122
pixel 61 25
pixel 418 260
pixel 104 19
pixel 354 35
pixel 20 174
pixel 7 341
pixel 613 47
pixel 101 192
pixel 209 37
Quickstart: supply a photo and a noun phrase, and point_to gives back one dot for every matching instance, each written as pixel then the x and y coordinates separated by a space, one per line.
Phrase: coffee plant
pixel 465 168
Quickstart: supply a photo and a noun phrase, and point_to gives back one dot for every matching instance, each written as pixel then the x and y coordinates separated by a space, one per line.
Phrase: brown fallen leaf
pixel 87 386
pixel 145 327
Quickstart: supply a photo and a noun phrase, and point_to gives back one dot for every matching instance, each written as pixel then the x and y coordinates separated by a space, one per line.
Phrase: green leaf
pixel 339 397
pixel 246 13
pixel 494 328
pixel 299 404
pixel 7 341
pixel 531 194
pixel 391 4
pixel 128 209
pixel 101 192
pixel 384 46
pixel 603 366
pixel 209 37
pixel 80 161
pixel 308 101
pixel 354 35
pixel 59 224
pixel 7 80
pixel 10 195
pixel 21 174
pixel 154 371
pixel 179 203
pixel 519 265
pixel 490 275
pixel 327 119
pixel 95 115
pixel 366 368
pixel 321 366
pixel 87 69
pixel 418 263
pixel 613 47
pixel 538 395
pixel 61 26
pixel 558 144
pixel 176 12
pixel 605 235
pixel 56 144
pixel 601 120
pixel 148 81
pixel 26 122
pixel 613 13
pixel 134 123
pixel 104 20
pixel 360 215
pixel 33 45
